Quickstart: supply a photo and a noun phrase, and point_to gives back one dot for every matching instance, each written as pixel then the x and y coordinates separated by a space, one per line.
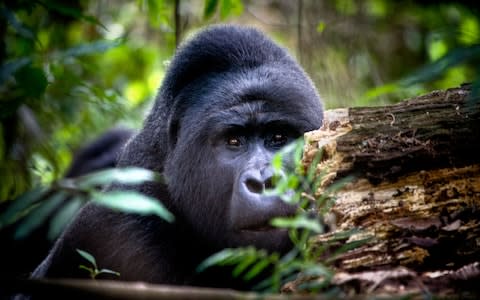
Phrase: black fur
pixel 228 84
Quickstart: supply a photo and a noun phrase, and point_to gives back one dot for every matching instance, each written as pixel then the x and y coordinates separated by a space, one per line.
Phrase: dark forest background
pixel 70 70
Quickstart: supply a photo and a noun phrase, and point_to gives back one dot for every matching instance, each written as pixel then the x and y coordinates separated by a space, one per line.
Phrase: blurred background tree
pixel 73 69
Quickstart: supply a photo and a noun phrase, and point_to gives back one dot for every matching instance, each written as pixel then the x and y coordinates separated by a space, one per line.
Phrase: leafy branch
pixel 93 270
pixel 65 197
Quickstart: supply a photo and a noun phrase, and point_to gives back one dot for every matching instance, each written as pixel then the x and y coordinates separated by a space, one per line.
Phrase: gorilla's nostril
pixel 269 183
pixel 254 186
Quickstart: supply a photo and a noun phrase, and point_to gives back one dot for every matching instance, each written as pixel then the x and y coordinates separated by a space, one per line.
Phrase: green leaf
pixel 31 80
pixel 215 259
pixel 89 48
pixel 380 90
pixel 63 217
pixel 230 256
pixel 244 264
pixel 259 267
pixel 230 7
pixel 210 8
pixel 88 257
pixel 107 271
pixel 90 271
pixel 39 215
pixel 321 26
pixel 129 175
pixel 277 161
pixel 292 181
pixel 298 222
pixel 20 204
pixel 133 202
pixel 436 68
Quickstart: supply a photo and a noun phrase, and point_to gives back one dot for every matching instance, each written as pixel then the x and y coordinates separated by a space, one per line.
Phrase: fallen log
pixel 415 192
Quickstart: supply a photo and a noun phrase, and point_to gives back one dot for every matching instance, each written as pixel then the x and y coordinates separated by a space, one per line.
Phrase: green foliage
pixel 158 11
pixel 93 268
pixel 64 197
pixel 451 42
pixel 433 71
pixel 305 259
pixel 227 8
pixel 133 202
pixel 63 82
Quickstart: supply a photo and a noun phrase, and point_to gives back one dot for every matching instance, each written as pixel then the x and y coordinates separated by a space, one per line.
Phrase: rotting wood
pixel 415 191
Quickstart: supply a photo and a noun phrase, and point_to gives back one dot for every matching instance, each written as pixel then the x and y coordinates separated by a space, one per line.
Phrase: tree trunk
pixel 414 194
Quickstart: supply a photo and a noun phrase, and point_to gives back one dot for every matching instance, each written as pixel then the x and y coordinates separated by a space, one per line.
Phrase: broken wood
pixel 415 192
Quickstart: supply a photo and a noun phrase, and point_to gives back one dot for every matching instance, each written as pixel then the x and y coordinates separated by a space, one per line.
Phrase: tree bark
pixel 414 192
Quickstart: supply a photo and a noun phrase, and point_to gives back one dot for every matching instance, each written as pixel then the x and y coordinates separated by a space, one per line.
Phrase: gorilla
pixel 231 98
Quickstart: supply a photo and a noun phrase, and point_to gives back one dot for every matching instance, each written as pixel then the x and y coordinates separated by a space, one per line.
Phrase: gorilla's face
pixel 220 164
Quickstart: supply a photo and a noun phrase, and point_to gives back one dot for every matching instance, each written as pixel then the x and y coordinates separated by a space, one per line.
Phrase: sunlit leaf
pixel 133 202
pixel 381 90
pixel 321 27
pixel 437 48
pixel 88 257
pixel 277 161
pixel 230 8
pixel 377 8
pixel 298 222
pixel 130 175
pixel 469 31
pixel 292 181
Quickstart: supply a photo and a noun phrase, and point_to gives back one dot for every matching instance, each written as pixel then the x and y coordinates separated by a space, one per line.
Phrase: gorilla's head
pixel 230 100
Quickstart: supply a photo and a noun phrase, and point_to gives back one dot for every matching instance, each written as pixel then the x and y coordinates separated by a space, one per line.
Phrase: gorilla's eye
pixel 279 140
pixel 233 141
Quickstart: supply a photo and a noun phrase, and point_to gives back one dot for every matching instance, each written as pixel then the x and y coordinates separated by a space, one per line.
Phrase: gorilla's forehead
pixel 251 96
pixel 252 112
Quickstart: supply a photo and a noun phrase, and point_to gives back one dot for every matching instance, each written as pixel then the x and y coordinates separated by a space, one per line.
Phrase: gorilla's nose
pixel 255 181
